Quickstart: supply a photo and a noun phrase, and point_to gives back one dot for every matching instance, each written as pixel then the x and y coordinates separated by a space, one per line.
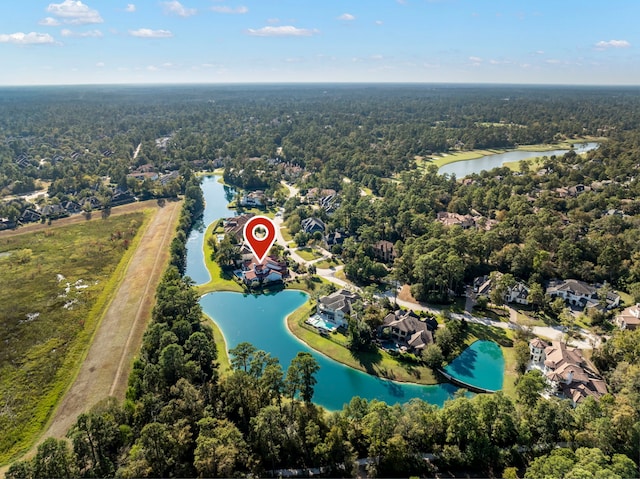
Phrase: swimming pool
pixel 319 322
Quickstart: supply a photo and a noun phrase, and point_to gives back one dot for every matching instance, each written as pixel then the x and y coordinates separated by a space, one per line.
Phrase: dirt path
pixel 105 370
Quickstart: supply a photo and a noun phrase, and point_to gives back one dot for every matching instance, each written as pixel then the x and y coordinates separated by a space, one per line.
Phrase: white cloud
pixel 602 45
pixel 90 34
pixel 226 9
pixel 347 17
pixel 176 8
pixel 49 22
pixel 379 22
pixel 273 21
pixel 21 38
pixel 148 33
pixel 130 8
pixel 552 61
pixel 475 59
pixel 74 12
pixel 100 64
pixel 284 31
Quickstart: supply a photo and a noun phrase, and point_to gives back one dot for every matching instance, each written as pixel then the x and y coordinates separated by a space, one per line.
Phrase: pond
pixel 481 365
pixel 467 167
pixel 261 320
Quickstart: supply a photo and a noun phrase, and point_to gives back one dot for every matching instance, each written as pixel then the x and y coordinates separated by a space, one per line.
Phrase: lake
pixel 261 320
pixel 480 365
pixel 467 167
pixel 216 196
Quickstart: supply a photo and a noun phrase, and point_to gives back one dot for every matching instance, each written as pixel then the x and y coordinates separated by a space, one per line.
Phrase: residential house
pixel 329 203
pixel 336 306
pixel 518 293
pixel 314 194
pixel 53 211
pixel 6 224
pixel 569 373
pixel 335 238
pixel 455 219
pixel 385 251
pixel 30 216
pixel 629 318
pixel 254 199
pixel 581 295
pixel 536 348
pixel 408 330
pixel 235 225
pixel 121 197
pixel 269 271
pixel 311 225
pixel 71 206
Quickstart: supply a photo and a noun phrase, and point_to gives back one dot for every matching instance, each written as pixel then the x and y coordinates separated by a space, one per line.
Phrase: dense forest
pixel 185 415
pixel 183 418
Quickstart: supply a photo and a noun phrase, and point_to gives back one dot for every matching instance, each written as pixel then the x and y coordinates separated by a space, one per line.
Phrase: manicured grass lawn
pixel 51 307
pixel 328 263
pixel 309 254
pixel 341 275
pixel 285 234
pixel 460 156
pixel 378 363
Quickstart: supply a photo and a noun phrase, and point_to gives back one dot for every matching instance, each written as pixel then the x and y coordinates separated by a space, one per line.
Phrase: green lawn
pixel 328 263
pixel 309 254
pixel 377 363
pixel 52 304
pixel 285 234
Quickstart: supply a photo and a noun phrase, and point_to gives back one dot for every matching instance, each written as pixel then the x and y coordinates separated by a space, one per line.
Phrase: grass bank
pixel 220 281
pixel 54 299
pixel 377 363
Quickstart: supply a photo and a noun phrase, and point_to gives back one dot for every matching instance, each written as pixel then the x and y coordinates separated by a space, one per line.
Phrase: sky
pixel 264 41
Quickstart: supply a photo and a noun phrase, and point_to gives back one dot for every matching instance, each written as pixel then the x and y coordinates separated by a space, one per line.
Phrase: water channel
pixel 467 167
pixel 260 320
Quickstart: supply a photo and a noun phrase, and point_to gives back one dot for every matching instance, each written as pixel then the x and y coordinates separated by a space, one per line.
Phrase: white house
pixel 253 199
pixel 337 305
pixel 580 294
pixel 536 348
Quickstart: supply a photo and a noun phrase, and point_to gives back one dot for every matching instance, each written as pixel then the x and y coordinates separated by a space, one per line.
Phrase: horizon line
pixel 326 83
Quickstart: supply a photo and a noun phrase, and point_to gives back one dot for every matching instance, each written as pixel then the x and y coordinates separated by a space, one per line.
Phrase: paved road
pixel 555 333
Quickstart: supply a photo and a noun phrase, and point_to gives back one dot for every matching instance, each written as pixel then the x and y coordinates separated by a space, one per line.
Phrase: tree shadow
pixel 367 359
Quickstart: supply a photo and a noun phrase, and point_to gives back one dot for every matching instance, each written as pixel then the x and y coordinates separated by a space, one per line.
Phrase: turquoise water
pixel 317 321
pixel 216 197
pixel 260 320
pixel 480 365
pixel 488 162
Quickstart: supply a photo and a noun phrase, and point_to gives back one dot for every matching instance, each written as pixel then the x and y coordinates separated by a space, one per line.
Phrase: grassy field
pixel 308 254
pixel 54 288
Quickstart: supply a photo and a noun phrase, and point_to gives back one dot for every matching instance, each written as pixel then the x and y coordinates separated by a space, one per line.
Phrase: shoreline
pixel 455 157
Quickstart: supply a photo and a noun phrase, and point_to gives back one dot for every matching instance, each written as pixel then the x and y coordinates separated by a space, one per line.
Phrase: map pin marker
pixel 260 245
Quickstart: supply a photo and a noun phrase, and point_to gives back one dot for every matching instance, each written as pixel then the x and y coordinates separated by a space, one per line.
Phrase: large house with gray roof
pixel 336 306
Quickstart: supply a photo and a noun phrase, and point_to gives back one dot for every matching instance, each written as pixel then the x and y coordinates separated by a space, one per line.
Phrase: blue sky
pixel 229 41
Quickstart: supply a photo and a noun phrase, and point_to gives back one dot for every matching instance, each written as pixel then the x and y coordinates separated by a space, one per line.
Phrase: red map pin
pixel 260 244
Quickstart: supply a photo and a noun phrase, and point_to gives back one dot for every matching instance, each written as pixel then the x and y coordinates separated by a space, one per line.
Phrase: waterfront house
pixel 269 271
pixel 336 306
pixel 408 330
pixel 570 375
